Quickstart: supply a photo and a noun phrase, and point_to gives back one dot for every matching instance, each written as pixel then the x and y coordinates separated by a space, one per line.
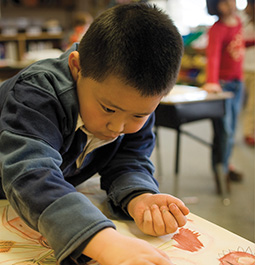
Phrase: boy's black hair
pixel 212 7
pixel 138 43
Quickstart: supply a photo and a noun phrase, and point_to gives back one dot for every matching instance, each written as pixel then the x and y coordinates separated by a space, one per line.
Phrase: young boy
pixel 225 53
pixel 91 110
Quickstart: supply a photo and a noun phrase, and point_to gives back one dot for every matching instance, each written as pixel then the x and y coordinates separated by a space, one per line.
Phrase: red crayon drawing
pixel 14 224
pixel 30 242
pixel 188 240
pixel 237 258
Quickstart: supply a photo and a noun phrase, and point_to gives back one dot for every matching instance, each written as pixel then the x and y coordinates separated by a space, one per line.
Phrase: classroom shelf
pixel 192 70
pixel 21 40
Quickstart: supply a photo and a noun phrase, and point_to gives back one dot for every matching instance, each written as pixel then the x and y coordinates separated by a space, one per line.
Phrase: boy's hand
pixel 158 214
pixel 108 247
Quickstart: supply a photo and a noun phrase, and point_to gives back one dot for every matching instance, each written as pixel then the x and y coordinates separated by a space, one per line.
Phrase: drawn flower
pixel 188 240
pixel 238 258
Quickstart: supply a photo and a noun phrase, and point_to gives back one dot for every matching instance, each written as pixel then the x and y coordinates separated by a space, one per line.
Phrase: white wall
pixel 189 14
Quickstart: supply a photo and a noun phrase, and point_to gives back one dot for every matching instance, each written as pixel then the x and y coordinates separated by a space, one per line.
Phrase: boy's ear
pixel 74 64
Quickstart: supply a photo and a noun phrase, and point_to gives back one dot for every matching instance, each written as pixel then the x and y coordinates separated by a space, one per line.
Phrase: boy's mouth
pixel 111 137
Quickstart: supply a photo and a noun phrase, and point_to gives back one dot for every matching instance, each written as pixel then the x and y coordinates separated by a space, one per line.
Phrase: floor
pixel 196 185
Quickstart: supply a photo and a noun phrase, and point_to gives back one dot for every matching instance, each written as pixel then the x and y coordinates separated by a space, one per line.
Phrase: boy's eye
pixel 107 109
pixel 138 116
pixel 141 116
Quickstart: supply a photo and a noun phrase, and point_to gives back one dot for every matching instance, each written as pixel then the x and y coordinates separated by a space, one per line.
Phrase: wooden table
pixel 187 104
pixel 199 242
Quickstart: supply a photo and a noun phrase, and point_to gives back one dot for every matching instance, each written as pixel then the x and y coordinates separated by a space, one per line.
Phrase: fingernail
pixel 172 206
pixel 163 209
pixel 154 206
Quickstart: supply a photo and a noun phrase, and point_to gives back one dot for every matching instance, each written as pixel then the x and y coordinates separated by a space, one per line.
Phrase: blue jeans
pixel 225 127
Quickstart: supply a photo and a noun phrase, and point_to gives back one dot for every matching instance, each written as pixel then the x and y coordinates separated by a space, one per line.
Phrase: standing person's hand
pixel 212 88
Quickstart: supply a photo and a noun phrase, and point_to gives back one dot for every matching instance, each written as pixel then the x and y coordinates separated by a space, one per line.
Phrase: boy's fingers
pixel 147 223
pixel 180 204
pixel 170 222
pixel 163 253
pixel 184 209
pixel 158 222
pixel 177 214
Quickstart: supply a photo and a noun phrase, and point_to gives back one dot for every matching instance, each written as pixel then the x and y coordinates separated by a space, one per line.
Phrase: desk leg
pixel 177 156
pixel 223 185
pixel 177 152
pixel 158 156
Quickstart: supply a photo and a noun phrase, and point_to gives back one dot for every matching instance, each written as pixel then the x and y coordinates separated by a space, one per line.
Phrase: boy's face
pixel 111 107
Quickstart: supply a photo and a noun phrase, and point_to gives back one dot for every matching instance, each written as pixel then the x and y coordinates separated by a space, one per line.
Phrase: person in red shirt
pixel 248 16
pixel 225 53
pixel 81 23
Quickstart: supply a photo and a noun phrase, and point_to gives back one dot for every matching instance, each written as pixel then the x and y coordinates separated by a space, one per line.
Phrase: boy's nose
pixel 116 127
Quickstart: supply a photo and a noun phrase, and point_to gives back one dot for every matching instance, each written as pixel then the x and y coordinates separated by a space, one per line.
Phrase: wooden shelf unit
pixel 22 38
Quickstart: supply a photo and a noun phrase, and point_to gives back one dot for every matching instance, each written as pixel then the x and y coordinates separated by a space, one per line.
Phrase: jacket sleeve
pixel 213 54
pixel 33 181
pixel 130 172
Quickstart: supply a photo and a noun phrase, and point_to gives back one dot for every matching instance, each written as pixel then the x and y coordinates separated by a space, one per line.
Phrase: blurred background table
pixel 185 104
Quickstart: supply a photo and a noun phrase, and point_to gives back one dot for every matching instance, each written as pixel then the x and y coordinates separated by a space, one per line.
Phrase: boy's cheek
pixel 135 127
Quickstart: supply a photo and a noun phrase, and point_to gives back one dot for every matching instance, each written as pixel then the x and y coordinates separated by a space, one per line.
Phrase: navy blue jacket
pixel 38 151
